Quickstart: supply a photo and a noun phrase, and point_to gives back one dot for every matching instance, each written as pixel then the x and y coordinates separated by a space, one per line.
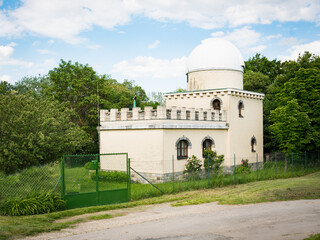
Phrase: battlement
pixel 162 113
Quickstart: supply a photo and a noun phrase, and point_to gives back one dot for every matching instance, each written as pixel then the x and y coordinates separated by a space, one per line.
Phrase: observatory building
pixel 215 112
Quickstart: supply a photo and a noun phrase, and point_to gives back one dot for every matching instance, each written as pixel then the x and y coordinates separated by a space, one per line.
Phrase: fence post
pixel 305 161
pixel 275 159
pixel 208 171
pixel 291 164
pixel 97 180
pixel 257 166
pixel 234 168
pixel 62 178
pixel 128 177
pixel 172 173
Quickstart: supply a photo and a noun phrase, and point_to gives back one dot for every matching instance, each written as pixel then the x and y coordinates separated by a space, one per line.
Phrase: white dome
pixel 215 53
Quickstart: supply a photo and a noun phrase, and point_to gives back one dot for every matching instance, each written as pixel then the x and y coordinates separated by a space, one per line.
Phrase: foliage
pixel 193 165
pixel 261 64
pixel 110 176
pixel 255 81
pixel 79 88
pixel 215 160
pixel 32 85
pixel 244 167
pixel 33 204
pixel 291 127
pixel 5 87
pixel 34 132
pixel 180 90
pixel 88 165
pixel 34 179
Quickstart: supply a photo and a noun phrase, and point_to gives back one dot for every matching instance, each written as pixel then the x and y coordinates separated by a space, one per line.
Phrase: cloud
pixel 68 20
pixel 143 66
pixel 6 52
pixel 312 47
pixel 154 45
pixel 6 78
pixel 289 41
pixel 45 52
pixel 246 39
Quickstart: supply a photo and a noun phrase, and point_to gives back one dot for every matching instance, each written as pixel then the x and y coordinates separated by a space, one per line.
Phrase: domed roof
pixel 215 53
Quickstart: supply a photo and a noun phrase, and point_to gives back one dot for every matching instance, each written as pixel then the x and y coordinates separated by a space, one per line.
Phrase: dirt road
pixel 276 220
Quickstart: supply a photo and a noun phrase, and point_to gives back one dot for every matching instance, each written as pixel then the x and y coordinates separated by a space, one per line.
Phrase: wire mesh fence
pixel 32 180
pixel 234 170
pixel 167 175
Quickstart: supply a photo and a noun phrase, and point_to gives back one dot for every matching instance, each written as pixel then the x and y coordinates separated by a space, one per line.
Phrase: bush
pixel 244 167
pixel 88 165
pixel 110 176
pixel 33 204
pixel 193 165
pixel 215 160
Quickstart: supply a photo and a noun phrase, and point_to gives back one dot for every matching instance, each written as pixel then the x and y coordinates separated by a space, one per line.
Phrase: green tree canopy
pixel 256 82
pixel 261 64
pixel 291 127
pixel 5 87
pixel 35 131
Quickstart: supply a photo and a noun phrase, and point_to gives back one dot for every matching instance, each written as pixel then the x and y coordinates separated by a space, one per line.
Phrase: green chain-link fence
pixel 32 180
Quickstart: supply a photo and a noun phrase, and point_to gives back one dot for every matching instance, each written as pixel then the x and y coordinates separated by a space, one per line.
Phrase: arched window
pixel 182 145
pixel 216 104
pixel 253 144
pixel 207 143
pixel 182 149
pixel 240 108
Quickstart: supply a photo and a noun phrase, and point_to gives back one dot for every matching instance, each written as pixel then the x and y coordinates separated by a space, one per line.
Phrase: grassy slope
pixel 305 187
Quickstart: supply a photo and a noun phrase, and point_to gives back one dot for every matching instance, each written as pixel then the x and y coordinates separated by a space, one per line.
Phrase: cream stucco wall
pixel 241 130
pixel 145 147
pixel 213 79
pixel 196 137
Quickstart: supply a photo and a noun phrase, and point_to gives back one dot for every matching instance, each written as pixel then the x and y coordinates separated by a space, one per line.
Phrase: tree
pixel 291 127
pixel 261 64
pixel 5 87
pixel 181 90
pixel 79 88
pixel 35 131
pixel 34 85
pixel 256 82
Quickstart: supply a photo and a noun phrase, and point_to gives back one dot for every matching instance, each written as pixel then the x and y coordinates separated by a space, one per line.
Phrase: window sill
pixel 182 158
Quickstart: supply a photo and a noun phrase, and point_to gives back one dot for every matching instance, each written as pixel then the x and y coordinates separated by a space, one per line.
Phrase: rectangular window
pixel 197 115
pixel 179 114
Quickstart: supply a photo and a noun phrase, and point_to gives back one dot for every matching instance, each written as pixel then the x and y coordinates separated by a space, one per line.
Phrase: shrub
pixel 88 165
pixel 193 165
pixel 215 160
pixel 110 176
pixel 244 167
pixel 33 204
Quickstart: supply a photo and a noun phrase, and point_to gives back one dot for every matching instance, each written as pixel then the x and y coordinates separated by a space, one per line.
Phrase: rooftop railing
pixel 162 113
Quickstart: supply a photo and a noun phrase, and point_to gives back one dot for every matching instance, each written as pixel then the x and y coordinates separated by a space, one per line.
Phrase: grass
pixel 305 187
pixel 313 237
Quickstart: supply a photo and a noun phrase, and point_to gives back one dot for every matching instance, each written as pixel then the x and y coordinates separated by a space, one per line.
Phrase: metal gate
pixel 97 179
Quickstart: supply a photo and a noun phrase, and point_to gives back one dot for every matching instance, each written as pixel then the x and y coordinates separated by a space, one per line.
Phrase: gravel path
pixel 276 220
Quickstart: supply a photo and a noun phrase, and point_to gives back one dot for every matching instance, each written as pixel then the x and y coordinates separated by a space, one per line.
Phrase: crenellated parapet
pixel 162 113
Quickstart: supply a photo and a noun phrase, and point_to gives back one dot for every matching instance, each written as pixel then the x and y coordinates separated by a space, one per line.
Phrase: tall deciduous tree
pixel 261 64
pixel 35 131
pixel 256 82
pixel 291 127
pixel 79 88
